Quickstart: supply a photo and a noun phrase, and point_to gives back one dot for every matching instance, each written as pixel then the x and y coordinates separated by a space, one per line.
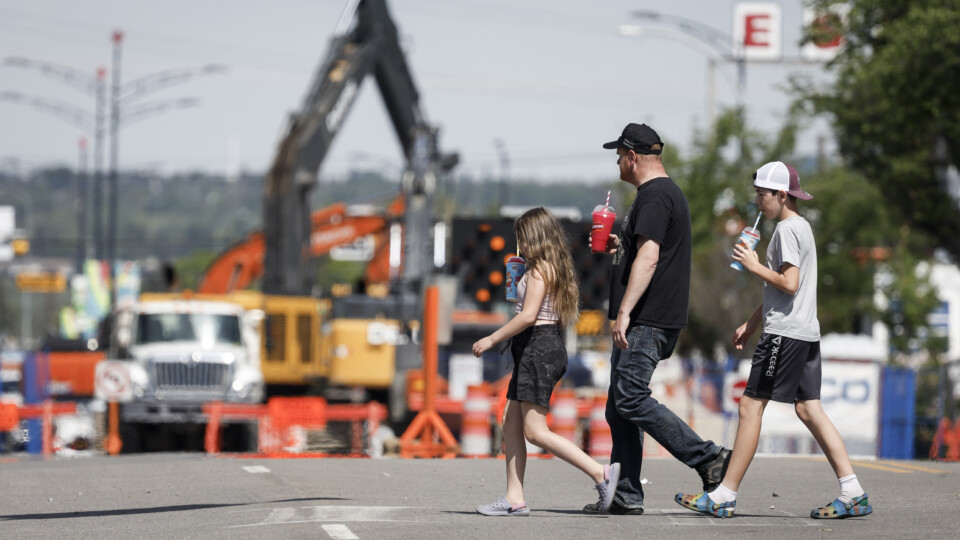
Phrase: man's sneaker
pixel 704 504
pixel 711 472
pixel 616 509
pixel 859 506
pixel 503 508
pixel 607 488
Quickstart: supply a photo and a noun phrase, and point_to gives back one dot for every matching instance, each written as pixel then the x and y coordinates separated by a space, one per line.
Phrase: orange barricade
pixel 951 439
pixel 281 422
pixel 217 411
pixel 46 411
pixel 564 413
pixel 283 430
pixel 298 411
pixel 72 373
pixel 601 441
pixel 9 417
pixel 475 430
pixel 372 413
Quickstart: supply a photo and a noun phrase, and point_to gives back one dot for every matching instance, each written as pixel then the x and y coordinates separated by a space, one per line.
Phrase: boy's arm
pixel 742 334
pixel 641 272
pixel 787 279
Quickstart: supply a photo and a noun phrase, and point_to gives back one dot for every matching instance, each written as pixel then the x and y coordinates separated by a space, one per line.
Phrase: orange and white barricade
pixel 475 431
pixel 601 440
pixel 564 413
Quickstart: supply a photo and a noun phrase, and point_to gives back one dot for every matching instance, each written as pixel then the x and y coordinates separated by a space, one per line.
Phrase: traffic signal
pixel 481 247
pixel 478 258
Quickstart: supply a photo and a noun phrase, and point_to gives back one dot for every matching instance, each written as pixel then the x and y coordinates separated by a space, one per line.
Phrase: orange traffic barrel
pixel 564 414
pixel 475 430
pixel 601 441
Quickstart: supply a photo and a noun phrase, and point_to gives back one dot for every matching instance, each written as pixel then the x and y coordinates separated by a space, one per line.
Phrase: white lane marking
pixel 356 513
pixel 256 469
pixel 339 531
pixel 313 514
pixel 279 515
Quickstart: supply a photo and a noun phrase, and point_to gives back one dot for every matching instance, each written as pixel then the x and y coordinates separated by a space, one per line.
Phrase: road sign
pixel 112 381
pixel 41 282
pixel 733 385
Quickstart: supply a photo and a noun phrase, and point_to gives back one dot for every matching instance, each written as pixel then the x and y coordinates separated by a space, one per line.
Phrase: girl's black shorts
pixel 539 362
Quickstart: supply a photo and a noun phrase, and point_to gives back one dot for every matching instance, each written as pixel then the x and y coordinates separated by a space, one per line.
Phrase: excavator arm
pixel 241 264
pixel 365 42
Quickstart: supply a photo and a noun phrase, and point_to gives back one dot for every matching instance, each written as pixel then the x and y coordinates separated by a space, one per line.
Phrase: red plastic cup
pixel 603 218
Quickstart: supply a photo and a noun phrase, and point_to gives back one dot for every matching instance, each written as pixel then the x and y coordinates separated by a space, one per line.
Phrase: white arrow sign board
pixel 112 381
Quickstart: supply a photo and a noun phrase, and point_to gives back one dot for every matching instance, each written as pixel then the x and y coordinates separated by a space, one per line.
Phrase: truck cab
pixel 184 352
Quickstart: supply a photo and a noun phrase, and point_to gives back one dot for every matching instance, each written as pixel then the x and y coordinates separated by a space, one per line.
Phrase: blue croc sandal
pixel 704 504
pixel 859 506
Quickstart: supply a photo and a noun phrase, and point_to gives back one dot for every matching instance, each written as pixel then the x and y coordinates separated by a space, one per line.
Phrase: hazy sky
pixel 551 79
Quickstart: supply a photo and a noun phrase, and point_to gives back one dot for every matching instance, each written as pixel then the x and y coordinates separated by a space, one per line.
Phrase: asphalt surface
pixel 167 496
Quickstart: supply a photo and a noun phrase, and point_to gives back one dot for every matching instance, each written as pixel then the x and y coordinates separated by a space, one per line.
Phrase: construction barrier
pixel 948 438
pixel 564 412
pixel 11 414
pixel 282 422
pixel 601 440
pixel 475 428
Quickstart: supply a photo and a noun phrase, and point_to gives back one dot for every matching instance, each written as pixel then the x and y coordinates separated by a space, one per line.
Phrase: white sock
pixel 849 488
pixel 722 495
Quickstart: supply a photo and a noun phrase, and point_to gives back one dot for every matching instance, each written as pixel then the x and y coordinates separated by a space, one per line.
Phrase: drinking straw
pixel 757 222
pixel 608 199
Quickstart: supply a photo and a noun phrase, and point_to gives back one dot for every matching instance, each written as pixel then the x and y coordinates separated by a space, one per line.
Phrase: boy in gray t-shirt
pixel 786 362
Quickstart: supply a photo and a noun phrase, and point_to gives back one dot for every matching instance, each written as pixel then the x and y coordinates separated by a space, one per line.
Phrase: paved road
pixel 167 496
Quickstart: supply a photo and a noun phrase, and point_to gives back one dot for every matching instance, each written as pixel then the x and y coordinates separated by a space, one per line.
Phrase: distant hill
pixel 171 216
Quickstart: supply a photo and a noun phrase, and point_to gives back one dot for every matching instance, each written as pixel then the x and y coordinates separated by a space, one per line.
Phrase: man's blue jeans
pixel 631 411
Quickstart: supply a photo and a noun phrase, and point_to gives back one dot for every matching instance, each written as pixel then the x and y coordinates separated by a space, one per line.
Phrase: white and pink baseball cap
pixel 779 176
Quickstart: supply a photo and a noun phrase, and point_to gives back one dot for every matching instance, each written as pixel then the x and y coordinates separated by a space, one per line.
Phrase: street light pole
pixel 81 206
pixel 98 165
pixel 722 44
pixel 114 158
pixel 90 85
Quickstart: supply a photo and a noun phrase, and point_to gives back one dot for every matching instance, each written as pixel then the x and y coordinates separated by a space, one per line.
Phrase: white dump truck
pixel 184 352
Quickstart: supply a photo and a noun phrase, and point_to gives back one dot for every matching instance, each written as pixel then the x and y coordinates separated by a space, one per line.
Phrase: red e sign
pixel 757 31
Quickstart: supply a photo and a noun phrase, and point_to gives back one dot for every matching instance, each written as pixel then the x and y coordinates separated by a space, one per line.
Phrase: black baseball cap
pixel 639 138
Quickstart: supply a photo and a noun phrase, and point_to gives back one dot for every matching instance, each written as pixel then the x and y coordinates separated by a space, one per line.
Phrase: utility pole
pixel 81 206
pixel 114 159
pixel 92 85
pixel 98 165
pixel 504 172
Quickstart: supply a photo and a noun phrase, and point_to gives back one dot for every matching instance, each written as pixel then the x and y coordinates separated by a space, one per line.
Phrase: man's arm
pixel 641 272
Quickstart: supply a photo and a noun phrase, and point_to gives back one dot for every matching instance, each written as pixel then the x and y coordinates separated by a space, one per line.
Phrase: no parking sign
pixel 734 384
pixel 112 381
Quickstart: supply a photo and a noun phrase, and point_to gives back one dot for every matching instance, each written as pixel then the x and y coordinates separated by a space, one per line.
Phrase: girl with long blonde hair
pixel 548 299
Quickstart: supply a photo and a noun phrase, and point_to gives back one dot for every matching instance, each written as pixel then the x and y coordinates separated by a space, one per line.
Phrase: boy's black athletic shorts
pixel 785 370
pixel 539 361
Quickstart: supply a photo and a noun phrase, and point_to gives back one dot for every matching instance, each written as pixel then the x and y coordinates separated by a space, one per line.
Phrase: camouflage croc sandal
pixel 859 506
pixel 704 504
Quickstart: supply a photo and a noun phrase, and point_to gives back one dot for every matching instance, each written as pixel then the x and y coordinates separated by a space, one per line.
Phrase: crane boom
pixel 369 45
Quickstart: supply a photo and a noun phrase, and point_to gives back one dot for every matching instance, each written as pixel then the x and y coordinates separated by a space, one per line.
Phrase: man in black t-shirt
pixel 649 296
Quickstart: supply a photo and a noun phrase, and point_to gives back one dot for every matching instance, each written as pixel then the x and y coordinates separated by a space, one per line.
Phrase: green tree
pixel 717 181
pixel 895 106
